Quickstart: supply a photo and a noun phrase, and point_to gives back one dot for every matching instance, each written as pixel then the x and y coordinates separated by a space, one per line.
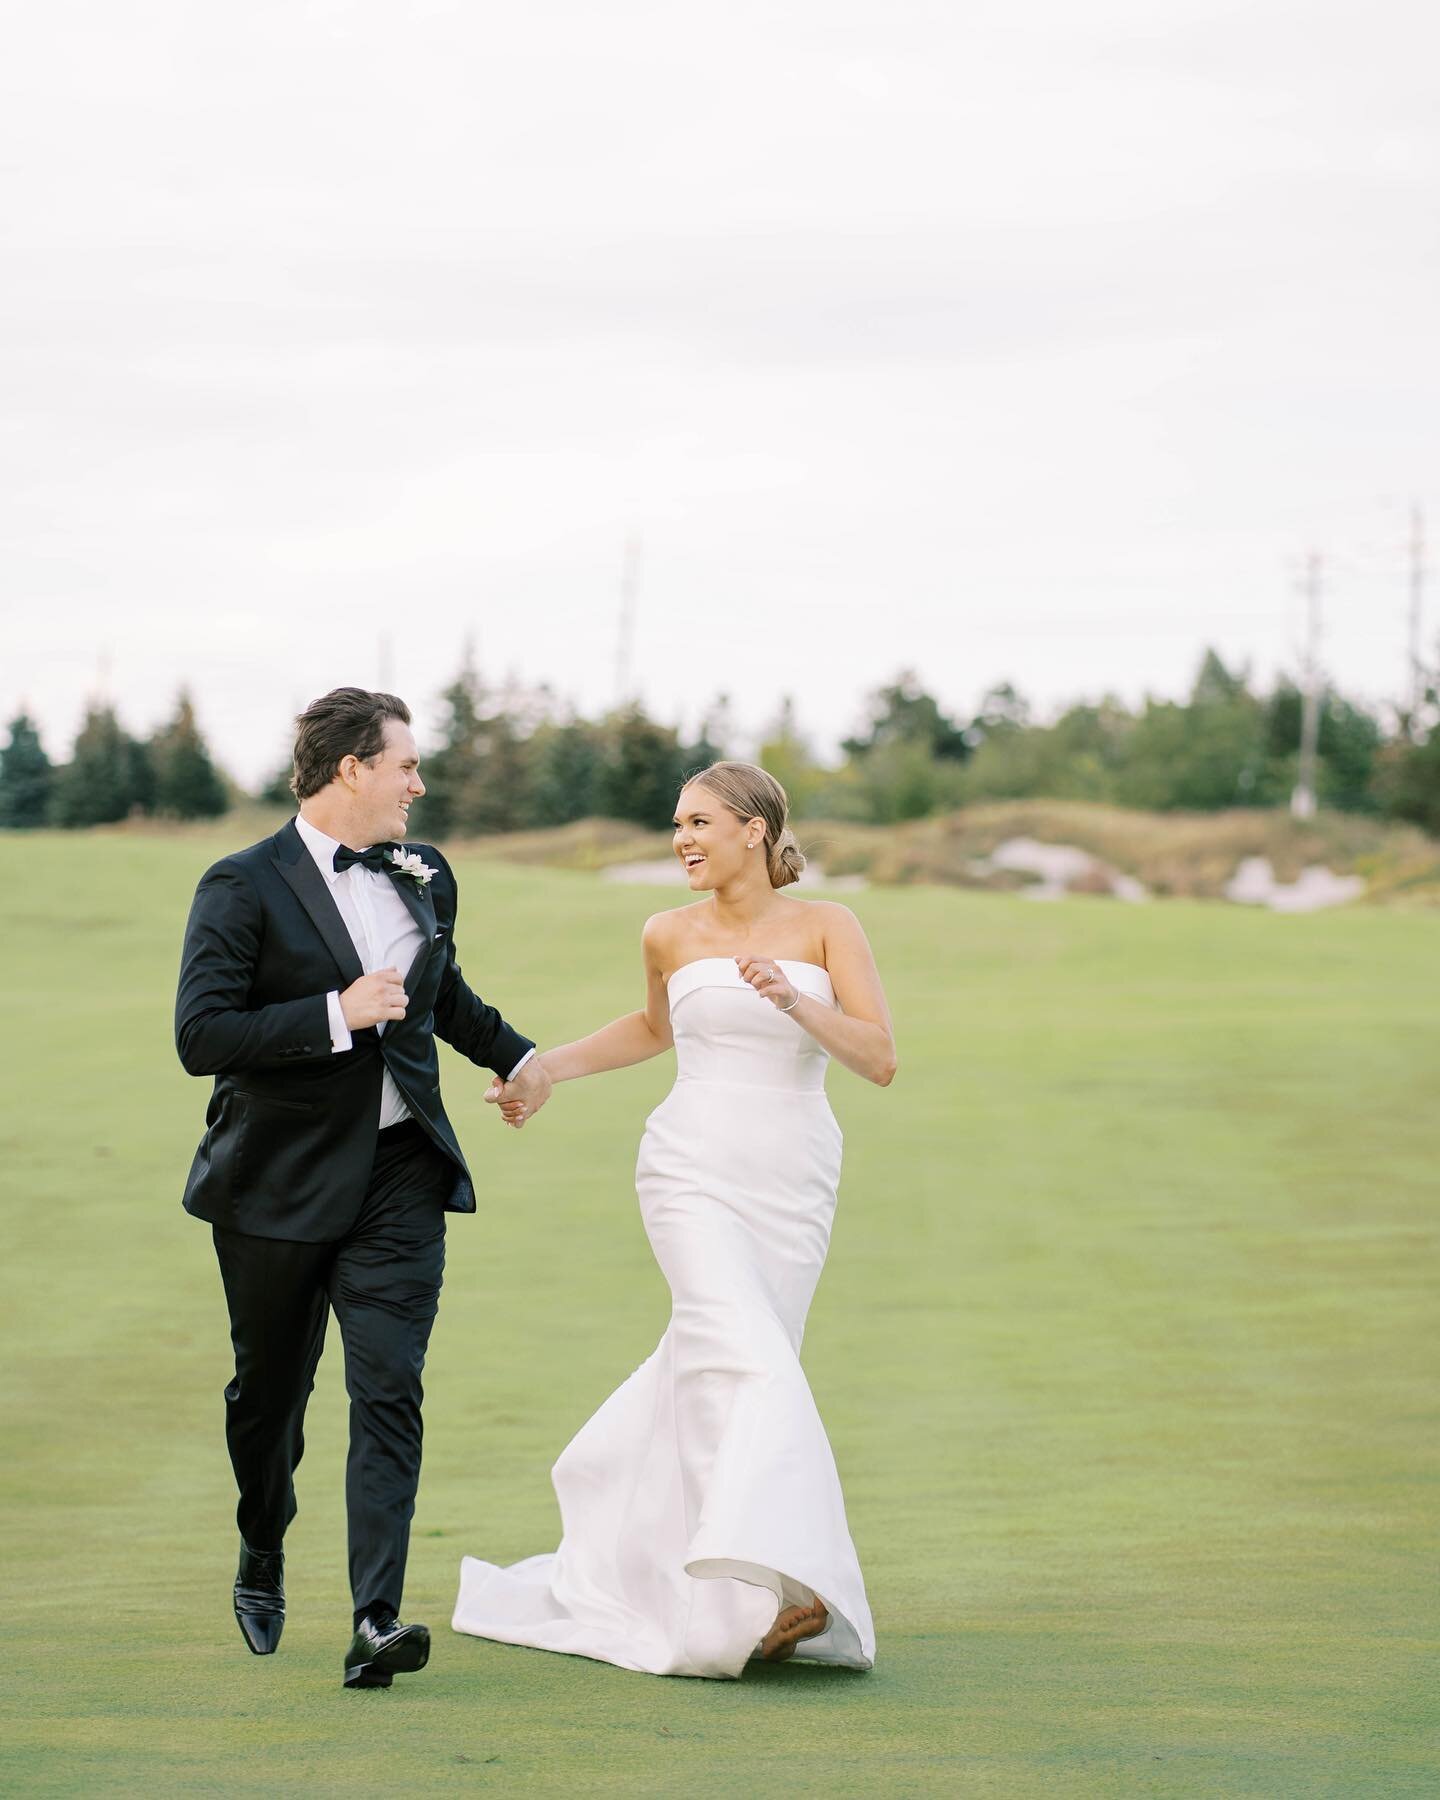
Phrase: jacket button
pixel 304 1049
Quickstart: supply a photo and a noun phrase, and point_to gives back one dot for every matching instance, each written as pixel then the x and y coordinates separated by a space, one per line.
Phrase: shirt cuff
pixel 521 1064
pixel 340 1038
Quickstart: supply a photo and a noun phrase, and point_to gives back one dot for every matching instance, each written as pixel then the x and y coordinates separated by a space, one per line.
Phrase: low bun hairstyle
pixel 750 793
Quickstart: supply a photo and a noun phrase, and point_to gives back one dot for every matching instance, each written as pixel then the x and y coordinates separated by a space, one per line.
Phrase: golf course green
pixel 1126 1349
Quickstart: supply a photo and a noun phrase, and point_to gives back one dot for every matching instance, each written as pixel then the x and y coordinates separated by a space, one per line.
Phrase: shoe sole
pixel 368 1676
pixel 410 1654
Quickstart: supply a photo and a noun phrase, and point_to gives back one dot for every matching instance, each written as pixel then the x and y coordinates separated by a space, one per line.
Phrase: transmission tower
pixel 1417 607
pixel 1302 800
pixel 625 636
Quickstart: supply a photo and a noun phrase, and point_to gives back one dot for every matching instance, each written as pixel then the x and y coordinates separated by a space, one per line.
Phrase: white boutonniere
pixel 407 862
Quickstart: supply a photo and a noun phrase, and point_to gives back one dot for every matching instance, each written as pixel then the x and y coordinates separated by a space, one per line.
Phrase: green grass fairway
pixel 1126 1348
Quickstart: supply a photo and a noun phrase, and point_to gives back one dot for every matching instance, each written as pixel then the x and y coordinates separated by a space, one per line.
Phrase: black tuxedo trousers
pixel 382 1281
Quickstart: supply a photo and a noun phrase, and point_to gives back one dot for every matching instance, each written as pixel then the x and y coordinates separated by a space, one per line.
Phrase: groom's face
pixel 387 786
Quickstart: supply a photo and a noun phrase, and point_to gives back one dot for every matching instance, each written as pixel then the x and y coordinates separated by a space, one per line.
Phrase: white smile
pixel 693 862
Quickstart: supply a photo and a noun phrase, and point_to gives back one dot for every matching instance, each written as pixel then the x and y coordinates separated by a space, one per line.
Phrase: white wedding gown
pixel 703 1496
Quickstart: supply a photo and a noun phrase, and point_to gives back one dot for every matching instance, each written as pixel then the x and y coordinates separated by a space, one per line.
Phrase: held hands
pixel 768 979
pixel 523 1097
pixel 373 999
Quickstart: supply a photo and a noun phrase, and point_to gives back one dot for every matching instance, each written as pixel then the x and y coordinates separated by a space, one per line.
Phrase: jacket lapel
pixel 422 910
pixel 297 867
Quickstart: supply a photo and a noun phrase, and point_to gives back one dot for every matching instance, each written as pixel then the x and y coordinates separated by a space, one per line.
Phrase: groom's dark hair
pixel 347 721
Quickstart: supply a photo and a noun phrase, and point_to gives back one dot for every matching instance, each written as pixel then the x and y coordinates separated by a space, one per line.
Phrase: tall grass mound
pixel 1181 855
pixel 1178 855
pixel 1174 855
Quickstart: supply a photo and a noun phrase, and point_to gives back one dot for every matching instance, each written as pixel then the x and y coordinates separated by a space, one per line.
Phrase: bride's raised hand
pixel 768 979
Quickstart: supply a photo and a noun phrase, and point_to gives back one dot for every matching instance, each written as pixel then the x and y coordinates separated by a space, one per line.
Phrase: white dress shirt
pixel 385 936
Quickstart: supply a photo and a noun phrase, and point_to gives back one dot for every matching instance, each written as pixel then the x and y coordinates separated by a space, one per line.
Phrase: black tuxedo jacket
pixel 291 1127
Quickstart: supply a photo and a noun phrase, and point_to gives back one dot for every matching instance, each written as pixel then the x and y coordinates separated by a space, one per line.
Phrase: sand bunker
pixel 1254 884
pixel 1059 869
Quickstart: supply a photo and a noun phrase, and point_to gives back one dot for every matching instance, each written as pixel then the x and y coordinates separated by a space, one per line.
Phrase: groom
pixel 318 970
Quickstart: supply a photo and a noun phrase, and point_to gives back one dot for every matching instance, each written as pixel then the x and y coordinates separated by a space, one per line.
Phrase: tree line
pixel 111 775
pixel 512 758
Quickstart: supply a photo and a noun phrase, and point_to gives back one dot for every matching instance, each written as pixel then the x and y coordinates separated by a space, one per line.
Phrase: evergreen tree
pixel 476 782
pixel 787 756
pixel 1347 749
pixel 904 713
pixel 1004 709
pixel 140 775
pixel 26 777
pixel 717 731
pixel 1215 685
pixel 1201 756
pixel 277 791
pixel 1088 746
pixel 904 780
pixel 1076 758
pixel 449 772
pixel 187 784
pixel 644 769
pixel 1407 775
pixel 906 765
pixel 107 778
pixel 564 765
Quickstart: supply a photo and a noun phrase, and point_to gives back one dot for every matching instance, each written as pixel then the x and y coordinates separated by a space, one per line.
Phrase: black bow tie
pixel 377 857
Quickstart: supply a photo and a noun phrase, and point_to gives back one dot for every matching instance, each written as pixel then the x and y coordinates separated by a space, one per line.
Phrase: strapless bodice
pixel 725 1032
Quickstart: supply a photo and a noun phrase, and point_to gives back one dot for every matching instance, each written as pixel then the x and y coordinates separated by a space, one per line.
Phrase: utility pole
pixel 1302 800
pixel 625 638
pixel 1417 606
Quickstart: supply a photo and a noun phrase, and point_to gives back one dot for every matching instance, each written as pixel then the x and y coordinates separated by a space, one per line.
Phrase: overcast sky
pixel 1033 340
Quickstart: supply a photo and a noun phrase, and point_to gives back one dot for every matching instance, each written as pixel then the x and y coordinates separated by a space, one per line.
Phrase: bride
pixel 703 1522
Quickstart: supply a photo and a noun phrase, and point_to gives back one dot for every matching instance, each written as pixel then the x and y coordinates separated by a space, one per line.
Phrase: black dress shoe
pixel 383 1648
pixel 260 1598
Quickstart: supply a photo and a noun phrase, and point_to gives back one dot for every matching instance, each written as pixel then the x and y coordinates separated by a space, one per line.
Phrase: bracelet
pixel 793 1004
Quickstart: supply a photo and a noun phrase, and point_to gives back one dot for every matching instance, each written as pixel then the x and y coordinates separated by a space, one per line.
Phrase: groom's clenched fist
pixel 373 999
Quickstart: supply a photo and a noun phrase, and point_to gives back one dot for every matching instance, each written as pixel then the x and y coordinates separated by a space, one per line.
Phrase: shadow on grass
pixel 800 1673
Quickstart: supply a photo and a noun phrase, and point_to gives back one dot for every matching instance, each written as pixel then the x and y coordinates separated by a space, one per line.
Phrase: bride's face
pixel 712 844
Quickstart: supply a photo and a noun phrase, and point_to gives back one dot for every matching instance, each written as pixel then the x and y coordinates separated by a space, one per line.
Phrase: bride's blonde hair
pixel 752 793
